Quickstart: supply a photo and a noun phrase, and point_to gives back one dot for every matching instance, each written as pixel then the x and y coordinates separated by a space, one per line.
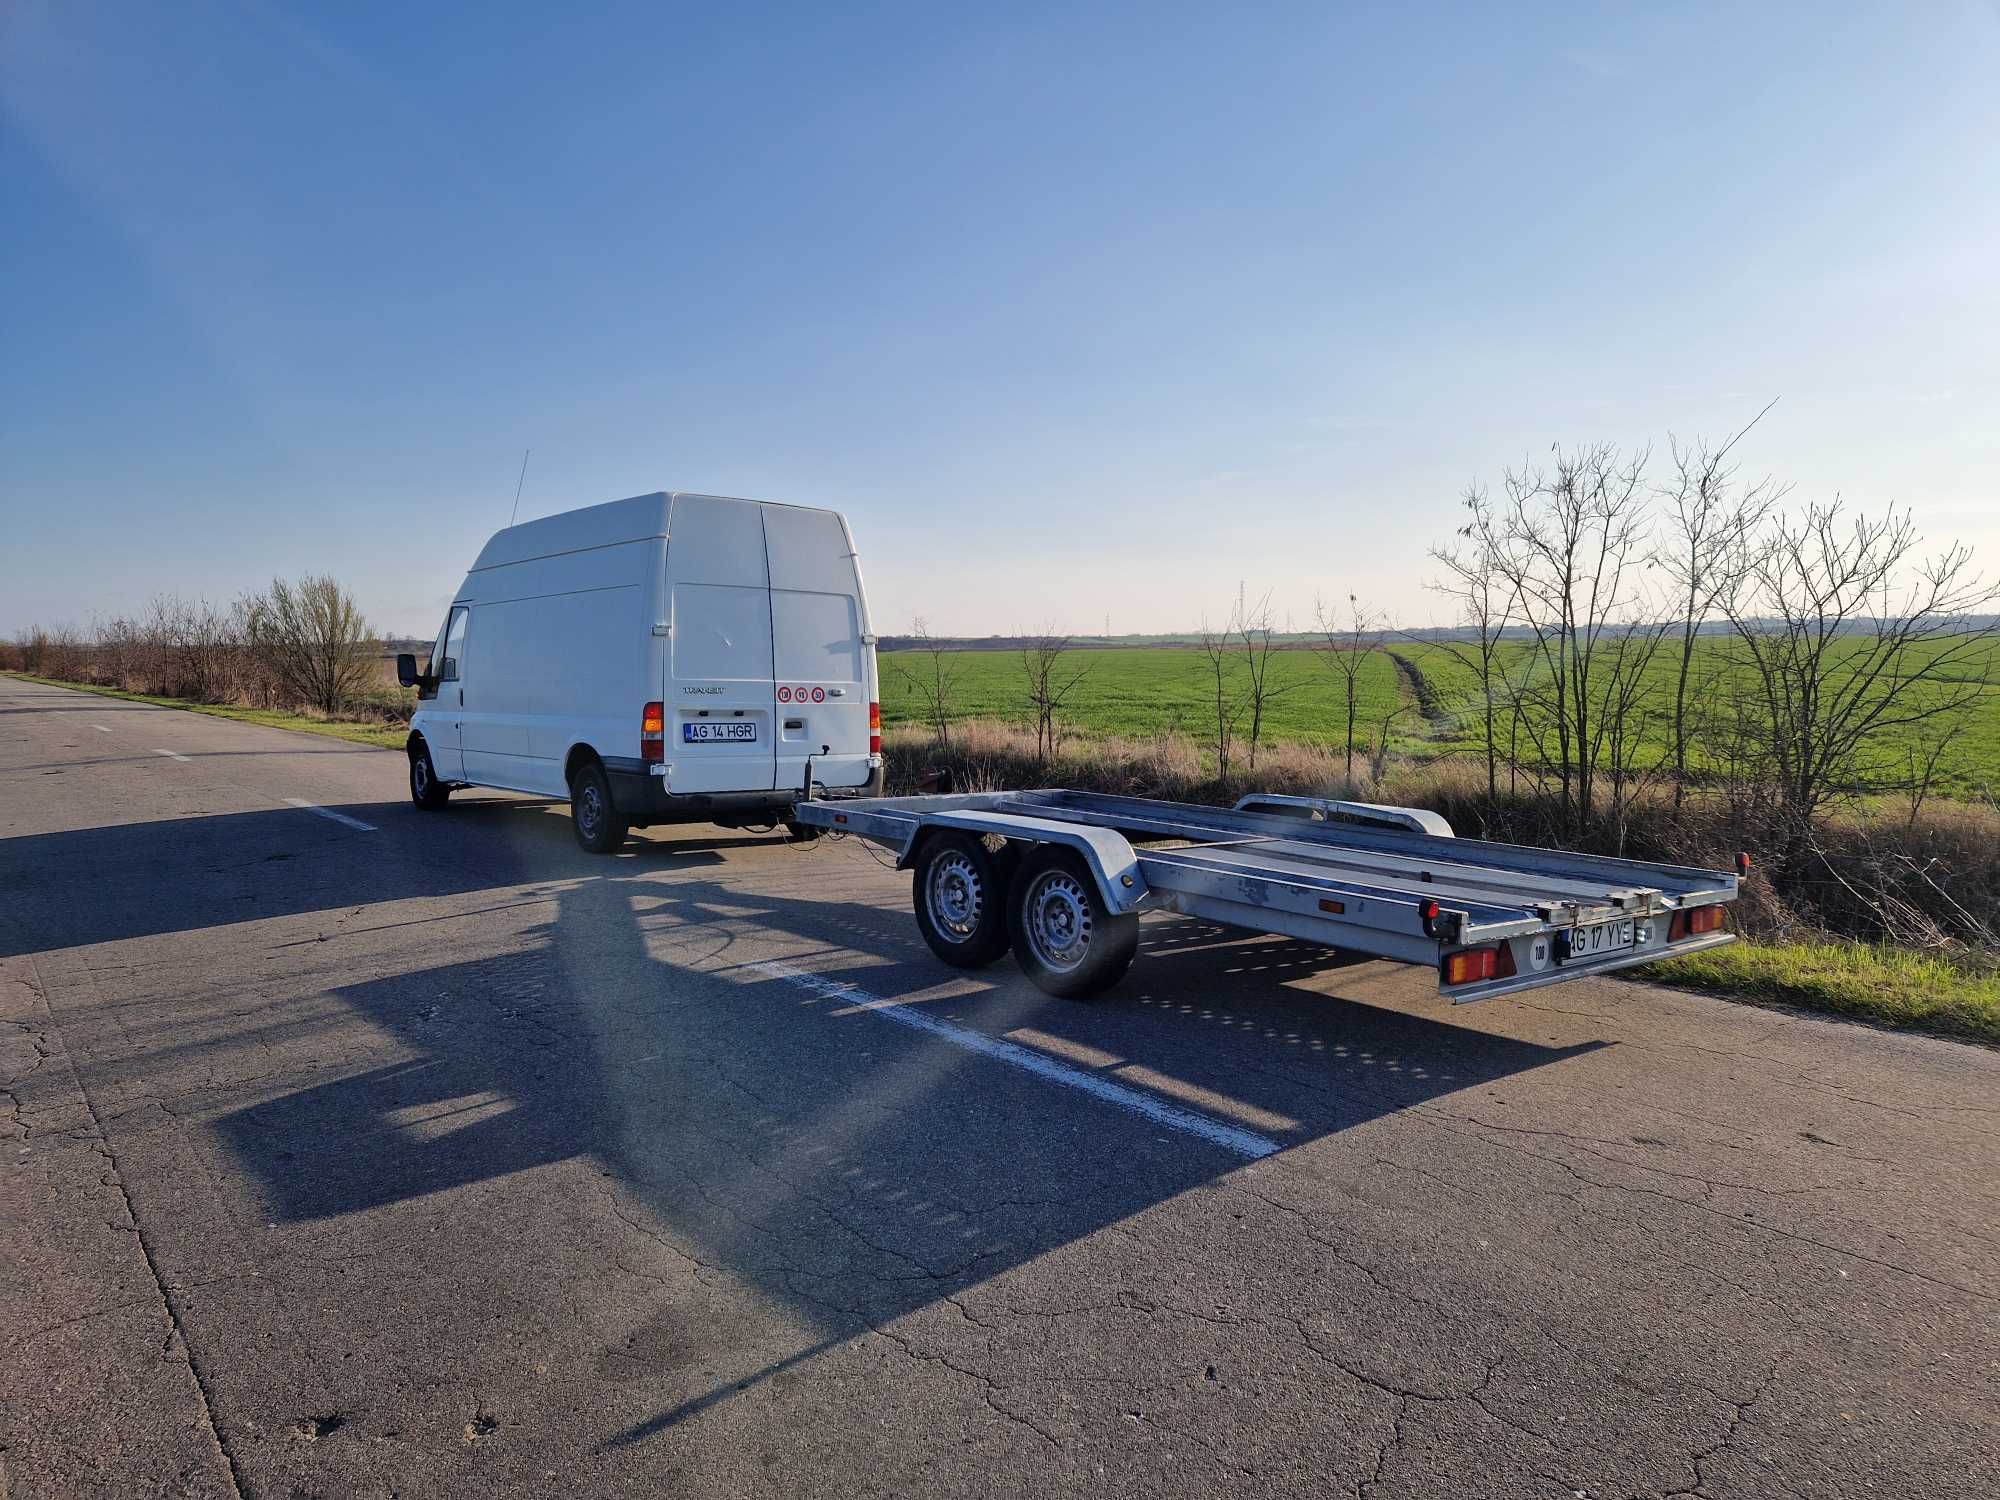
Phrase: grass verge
pixel 382 736
pixel 1886 986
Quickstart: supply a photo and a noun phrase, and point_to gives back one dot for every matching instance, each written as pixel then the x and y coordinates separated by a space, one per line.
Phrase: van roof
pixel 630 520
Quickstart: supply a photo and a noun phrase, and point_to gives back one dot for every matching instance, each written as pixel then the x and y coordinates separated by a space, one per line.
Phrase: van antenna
pixel 517 486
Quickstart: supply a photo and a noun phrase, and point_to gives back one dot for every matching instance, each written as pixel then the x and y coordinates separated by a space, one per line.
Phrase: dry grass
pixel 1927 881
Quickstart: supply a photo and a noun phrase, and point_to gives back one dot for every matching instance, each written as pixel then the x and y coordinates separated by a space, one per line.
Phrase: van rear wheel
pixel 598 827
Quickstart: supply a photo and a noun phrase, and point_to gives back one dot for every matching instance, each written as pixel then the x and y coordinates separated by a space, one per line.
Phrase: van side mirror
pixel 406 669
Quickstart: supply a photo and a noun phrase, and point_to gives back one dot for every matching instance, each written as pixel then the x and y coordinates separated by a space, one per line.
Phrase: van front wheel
pixel 598 827
pixel 426 791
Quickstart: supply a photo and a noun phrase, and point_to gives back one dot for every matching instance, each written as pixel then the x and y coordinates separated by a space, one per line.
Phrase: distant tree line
pixel 297 644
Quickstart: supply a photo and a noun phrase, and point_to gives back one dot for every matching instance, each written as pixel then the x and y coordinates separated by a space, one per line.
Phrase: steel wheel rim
pixel 420 775
pixel 587 807
pixel 955 896
pixel 1058 925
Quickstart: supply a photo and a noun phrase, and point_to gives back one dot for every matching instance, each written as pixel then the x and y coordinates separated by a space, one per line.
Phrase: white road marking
pixel 172 755
pixel 1242 1142
pixel 102 728
pixel 327 812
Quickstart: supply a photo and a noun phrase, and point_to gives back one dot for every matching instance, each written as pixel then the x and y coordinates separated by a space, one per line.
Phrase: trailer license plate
pixel 1595 941
pixel 703 730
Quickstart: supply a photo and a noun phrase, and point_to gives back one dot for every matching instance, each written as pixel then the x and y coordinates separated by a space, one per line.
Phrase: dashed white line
pixel 172 754
pixel 1229 1137
pixel 327 812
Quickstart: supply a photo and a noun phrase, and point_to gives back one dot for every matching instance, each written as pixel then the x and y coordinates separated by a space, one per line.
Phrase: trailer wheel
pixel 960 896
pixel 1065 938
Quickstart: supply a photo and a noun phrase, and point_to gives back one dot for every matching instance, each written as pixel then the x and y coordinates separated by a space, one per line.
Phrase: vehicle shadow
pixel 784 1133
pixel 850 1170
pixel 128 880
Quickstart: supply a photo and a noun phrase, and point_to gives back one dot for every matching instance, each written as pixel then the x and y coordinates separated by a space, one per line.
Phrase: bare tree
pixel 1854 639
pixel 1475 579
pixel 314 639
pixel 1218 646
pixel 1258 635
pixel 1574 540
pixel 1347 640
pixel 1049 684
pixel 1710 519
pixel 935 682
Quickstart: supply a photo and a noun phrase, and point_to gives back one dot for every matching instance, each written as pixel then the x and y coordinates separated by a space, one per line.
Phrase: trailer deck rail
pixel 1061 877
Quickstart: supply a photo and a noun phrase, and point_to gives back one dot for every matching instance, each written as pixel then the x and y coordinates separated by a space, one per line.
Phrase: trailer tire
pixel 1065 938
pixel 960 898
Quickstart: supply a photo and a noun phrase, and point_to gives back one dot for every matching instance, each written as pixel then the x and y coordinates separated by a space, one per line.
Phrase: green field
pixel 1150 690
pixel 1147 690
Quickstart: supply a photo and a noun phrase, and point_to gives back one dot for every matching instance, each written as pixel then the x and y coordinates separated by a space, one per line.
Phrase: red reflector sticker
pixel 1336 907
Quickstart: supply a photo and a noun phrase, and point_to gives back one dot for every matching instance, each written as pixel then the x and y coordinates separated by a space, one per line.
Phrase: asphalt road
pixel 422 1154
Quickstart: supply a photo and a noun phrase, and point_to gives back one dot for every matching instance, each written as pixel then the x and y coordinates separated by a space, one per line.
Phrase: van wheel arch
pixel 579 756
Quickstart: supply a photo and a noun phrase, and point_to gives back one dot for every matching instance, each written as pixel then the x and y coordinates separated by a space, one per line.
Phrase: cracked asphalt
pixel 444 1159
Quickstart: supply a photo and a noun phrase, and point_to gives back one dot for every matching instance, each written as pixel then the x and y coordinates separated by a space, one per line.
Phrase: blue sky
pixel 1078 312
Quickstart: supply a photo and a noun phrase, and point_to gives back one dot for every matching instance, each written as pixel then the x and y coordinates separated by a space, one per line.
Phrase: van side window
pixel 452 649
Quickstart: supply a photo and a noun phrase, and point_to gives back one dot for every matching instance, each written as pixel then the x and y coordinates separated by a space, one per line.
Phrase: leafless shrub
pixel 1346 641
pixel 313 637
pixel 1050 682
pixel 1476 582
pixel 1852 639
pixel 1217 647
pixel 1258 634
pixel 1573 544
pixel 1711 520
pixel 934 682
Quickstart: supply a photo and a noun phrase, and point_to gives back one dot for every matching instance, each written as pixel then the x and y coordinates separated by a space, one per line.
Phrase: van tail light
pixel 653 734
pixel 1475 964
pixel 874 729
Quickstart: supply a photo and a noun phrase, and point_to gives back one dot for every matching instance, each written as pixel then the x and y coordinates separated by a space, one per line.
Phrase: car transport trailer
pixel 1062 876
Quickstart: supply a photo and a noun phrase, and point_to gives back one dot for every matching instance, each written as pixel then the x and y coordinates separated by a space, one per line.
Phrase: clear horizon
pixel 1076 315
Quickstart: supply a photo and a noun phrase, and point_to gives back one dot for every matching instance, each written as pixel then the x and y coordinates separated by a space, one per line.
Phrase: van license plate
pixel 1594 942
pixel 738 730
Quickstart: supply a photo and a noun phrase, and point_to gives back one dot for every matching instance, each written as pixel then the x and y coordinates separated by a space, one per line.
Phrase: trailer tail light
pixel 1475 964
pixel 874 729
pixel 1694 921
pixel 653 733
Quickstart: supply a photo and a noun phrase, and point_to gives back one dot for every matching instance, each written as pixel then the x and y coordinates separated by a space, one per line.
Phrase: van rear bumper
pixel 641 797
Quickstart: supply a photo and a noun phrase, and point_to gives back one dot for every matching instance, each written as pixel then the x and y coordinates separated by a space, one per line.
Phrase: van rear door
pixel 818 656
pixel 718 687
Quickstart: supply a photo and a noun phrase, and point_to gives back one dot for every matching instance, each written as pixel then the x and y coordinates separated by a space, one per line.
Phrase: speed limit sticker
pixel 784 695
pixel 819 695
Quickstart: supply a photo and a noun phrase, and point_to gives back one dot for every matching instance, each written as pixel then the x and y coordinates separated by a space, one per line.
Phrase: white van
pixel 663 659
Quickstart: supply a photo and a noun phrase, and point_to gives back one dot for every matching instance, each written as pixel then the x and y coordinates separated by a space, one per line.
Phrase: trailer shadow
pixel 848 1169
